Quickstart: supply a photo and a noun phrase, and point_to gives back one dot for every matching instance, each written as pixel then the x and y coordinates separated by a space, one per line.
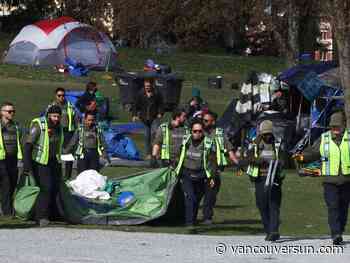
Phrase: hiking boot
pixel 268 237
pixel 44 222
pixel 337 240
pixel 274 236
pixel 207 222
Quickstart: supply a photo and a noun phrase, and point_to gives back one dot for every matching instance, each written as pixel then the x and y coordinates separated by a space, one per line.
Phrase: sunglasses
pixel 206 120
pixel 9 111
pixel 197 131
pixel 60 95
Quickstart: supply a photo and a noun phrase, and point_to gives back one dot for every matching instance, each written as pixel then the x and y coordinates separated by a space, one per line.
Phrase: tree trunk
pixel 341 25
pixel 293 34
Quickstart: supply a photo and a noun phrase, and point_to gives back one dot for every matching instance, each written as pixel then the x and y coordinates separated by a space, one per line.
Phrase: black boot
pixel 337 240
pixel 274 236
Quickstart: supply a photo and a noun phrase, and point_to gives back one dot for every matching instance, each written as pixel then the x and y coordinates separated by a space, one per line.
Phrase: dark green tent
pixel 155 192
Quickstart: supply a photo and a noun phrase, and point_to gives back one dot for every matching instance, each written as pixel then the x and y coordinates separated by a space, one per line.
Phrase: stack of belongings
pixel 311 169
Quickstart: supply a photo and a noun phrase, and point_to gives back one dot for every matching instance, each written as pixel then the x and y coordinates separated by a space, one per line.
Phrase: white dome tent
pixel 50 42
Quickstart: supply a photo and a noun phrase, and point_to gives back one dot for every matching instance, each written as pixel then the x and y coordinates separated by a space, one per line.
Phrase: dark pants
pixel 150 129
pixel 210 198
pixel 68 166
pixel 91 160
pixel 337 199
pixel 268 204
pixel 148 137
pixel 48 178
pixel 193 192
pixel 8 183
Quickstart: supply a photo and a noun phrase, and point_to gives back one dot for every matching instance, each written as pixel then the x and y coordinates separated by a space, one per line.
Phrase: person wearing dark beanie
pixel 42 153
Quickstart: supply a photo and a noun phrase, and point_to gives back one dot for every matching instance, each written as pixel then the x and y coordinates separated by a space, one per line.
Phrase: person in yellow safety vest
pixel 168 139
pixel 196 166
pixel 264 149
pixel 69 122
pixel 10 153
pixel 224 151
pixel 333 149
pixel 88 145
pixel 42 155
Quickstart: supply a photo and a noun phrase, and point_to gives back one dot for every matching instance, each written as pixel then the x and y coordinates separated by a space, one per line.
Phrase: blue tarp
pixel 121 146
pixel 75 68
pixel 72 96
pixel 127 127
pixel 293 75
pixel 310 86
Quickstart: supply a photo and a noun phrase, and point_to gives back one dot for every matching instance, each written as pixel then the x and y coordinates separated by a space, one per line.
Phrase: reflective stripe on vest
pixel 70 114
pixel 165 150
pixel 207 147
pixel 220 147
pixel 335 157
pixel 80 149
pixel 253 170
pixel 43 144
pixel 2 146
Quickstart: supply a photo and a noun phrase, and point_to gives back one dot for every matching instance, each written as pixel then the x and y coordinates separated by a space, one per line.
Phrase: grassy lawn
pixel 303 210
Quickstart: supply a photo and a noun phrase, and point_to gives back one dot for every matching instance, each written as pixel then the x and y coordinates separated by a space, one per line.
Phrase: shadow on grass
pixel 17 225
pixel 229 206
pixel 241 222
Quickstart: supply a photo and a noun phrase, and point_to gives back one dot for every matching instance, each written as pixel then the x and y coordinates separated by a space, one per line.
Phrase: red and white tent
pixel 50 42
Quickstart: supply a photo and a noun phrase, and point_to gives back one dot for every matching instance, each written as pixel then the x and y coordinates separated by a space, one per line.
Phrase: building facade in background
pixel 325 53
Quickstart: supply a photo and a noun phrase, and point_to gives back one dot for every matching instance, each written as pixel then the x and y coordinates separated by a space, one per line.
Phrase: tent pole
pixel 299 113
pixel 108 61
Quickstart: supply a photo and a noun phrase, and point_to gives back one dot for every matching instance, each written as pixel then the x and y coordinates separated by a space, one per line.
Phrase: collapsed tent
pixel 51 42
pixel 155 195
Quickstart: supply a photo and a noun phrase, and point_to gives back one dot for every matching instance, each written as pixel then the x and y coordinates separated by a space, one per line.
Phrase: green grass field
pixel 303 210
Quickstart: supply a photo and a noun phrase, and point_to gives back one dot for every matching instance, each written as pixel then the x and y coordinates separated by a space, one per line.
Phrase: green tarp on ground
pixel 154 192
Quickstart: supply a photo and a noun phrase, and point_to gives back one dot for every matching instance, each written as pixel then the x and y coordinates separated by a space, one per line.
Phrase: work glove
pixel 106 160
pixel 211 183
pixel 27 167
pixel 238 172
pixel 298 157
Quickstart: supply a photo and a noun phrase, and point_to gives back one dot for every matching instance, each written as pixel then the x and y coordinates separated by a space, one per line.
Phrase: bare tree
pixel 339 11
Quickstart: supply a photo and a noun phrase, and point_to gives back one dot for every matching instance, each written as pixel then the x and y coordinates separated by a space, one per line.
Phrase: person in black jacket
pixel 148 107
pixel 87 102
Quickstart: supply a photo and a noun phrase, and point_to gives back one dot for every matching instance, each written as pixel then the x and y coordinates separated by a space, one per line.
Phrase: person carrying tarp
pixel 69 122
pixel 88 144
pixel 224 151
pixel 333 149
pixel 10 153
pixel 196 167
pixel 42 153
pixel 168 139
pixel 265 171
